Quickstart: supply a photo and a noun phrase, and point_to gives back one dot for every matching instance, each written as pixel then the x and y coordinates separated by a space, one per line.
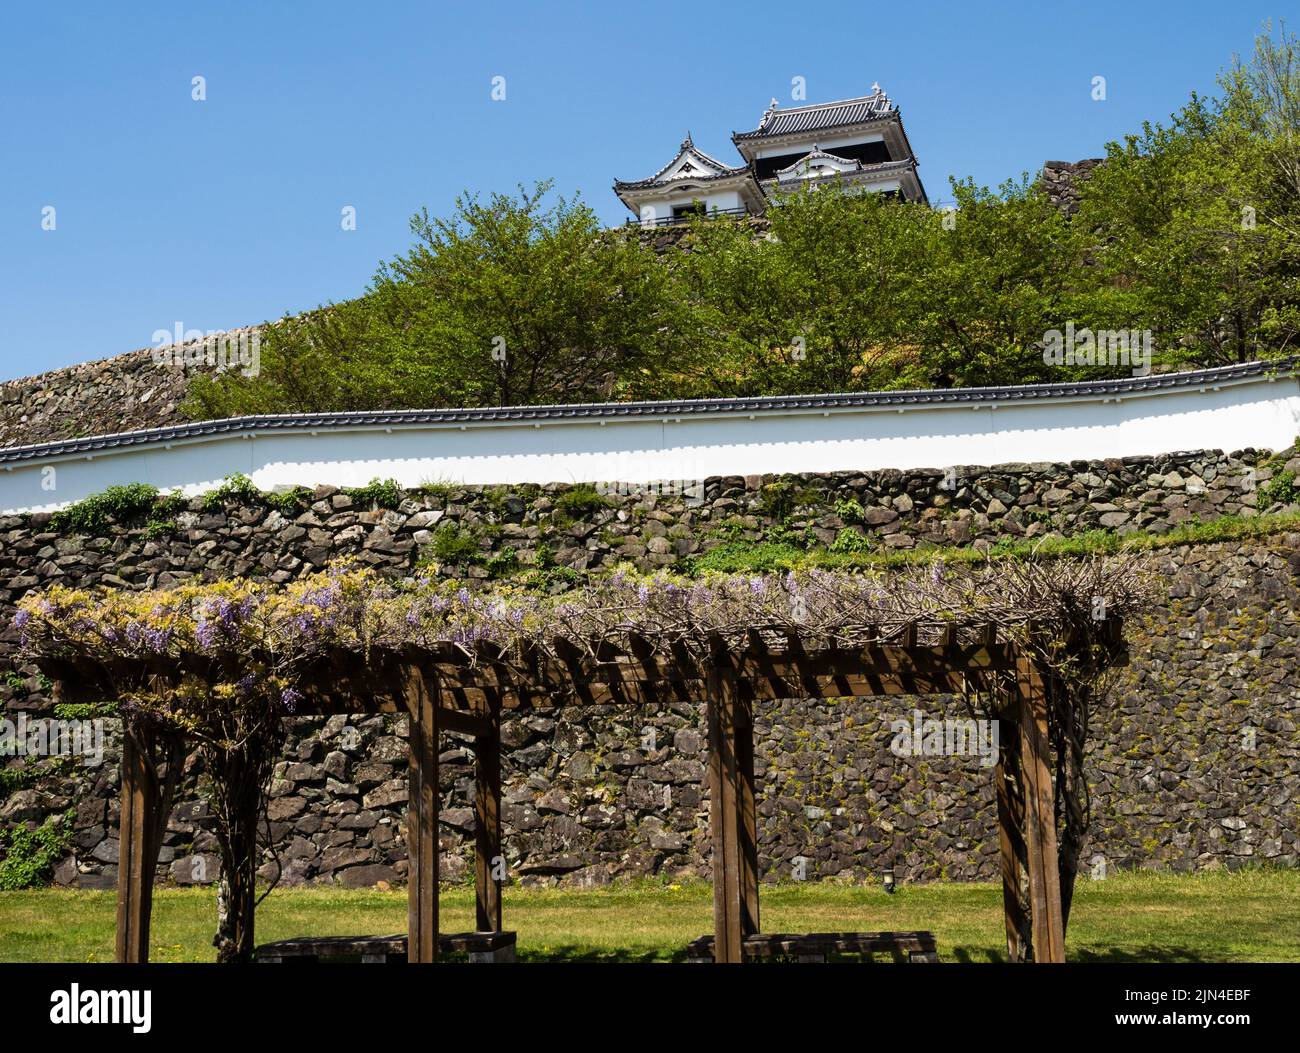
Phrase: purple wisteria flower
pixel 467 635
pixel 290 699
pixel 148 638
pixel 323 598
pixel 220 622
pixel 701 594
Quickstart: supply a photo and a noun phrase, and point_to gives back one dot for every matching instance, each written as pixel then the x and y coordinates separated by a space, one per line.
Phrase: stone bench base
pixel 818 946
pixel 390 950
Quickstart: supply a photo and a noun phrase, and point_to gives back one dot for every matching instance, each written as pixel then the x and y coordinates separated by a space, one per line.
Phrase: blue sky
pixel 227 211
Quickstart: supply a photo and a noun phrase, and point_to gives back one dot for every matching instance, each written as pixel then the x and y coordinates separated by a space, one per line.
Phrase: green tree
pixel 1189 228
pixel 517 300
pixel 819 303
pixel 852 291
pixel 997 283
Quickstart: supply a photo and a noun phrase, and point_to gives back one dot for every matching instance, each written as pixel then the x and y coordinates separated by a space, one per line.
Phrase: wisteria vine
pixel 350 607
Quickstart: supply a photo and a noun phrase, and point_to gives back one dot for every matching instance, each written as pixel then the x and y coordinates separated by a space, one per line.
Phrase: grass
pixel 1248 915
pixel 736 556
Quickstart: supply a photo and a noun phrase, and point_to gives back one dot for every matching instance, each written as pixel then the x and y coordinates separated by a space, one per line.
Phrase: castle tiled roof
pixel 639 184
pixel 818 154
pixel 1201 379
pixel 777 121
pixel 713 170
pixel 906 164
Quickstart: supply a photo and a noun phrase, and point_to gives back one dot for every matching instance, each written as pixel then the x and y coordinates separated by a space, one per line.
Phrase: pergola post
pixel 487 821
pixel 422 819
pixel 145 805
pixel 732 818
pixel 135 863
pixel 1041 859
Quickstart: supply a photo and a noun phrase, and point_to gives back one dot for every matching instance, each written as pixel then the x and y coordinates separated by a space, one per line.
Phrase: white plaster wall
pixel 826 144
pixel 883 186
pixel 1258 413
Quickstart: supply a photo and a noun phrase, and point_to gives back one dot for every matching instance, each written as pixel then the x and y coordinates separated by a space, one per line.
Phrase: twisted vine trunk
pixel 1070 713
pixel 240 769
pixel 236 890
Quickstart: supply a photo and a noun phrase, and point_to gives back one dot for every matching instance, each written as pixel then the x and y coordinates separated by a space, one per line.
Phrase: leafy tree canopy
pixel 1188 232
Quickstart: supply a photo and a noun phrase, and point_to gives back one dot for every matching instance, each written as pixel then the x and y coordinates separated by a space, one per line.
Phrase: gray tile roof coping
pixel 612 411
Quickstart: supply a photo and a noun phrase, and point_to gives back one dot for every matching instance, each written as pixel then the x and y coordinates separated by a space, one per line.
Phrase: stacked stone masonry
pixel 1195 760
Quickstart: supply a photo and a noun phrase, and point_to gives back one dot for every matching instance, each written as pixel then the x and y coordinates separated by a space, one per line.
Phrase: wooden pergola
pixel 467 690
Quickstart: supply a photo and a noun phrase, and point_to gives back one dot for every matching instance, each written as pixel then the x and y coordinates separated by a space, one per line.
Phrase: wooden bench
pixel 817 946
pixel 480 946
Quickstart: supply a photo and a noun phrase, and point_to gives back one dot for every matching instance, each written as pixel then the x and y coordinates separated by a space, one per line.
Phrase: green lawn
pixel 1251 915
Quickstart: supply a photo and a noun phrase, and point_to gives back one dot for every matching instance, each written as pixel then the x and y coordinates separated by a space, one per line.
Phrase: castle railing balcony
pixel 686 217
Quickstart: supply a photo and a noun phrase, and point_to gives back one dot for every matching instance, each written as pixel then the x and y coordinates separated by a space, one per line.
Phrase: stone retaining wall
pixel 128 392
pixel 1194 762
